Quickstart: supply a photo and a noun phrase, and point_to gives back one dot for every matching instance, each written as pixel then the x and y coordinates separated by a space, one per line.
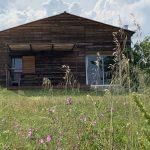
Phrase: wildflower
pixel 49 138
pixel 51 110
pixel 41 141
pixel 69 101
pixel 83 119
pixel 93 123
pixel 30 133
pixel 37 129
pixel 88 96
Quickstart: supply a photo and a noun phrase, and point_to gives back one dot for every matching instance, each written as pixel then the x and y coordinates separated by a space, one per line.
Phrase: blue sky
pixel 114 12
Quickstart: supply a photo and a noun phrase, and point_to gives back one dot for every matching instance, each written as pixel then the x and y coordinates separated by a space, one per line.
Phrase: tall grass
pixel 84 121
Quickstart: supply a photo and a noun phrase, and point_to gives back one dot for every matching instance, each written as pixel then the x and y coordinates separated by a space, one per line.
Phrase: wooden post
pixel 6 70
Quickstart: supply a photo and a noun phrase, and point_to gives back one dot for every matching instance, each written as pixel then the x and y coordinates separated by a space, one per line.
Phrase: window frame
pixel 13 61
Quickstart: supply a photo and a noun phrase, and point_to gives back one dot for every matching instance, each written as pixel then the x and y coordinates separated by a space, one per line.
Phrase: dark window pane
pixel 108 60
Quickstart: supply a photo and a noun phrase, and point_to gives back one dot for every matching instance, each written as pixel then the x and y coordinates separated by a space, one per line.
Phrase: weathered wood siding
pixel 89 35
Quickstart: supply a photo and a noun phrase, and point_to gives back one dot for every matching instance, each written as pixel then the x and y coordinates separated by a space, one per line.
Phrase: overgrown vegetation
pixel 86 120
pixel 141 57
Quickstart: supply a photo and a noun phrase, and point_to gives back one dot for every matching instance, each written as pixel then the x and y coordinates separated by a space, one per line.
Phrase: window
pixel 17 64
pixel 98 71
pixel 16 71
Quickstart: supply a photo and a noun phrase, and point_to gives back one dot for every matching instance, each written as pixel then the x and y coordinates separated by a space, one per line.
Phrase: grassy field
pixel 85 120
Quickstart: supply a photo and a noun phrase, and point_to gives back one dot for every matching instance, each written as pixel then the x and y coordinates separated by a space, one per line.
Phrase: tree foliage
pixel 140 57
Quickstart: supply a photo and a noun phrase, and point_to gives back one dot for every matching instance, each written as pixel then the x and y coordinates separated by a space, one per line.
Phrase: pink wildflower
pixel 41 141
pixel 30 133
pixel 49 138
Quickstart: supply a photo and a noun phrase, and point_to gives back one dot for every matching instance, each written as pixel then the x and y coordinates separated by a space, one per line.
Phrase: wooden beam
pixel 74 46
pixel 19 47
pixel 9 49
pixel 31 47
pixel 52 47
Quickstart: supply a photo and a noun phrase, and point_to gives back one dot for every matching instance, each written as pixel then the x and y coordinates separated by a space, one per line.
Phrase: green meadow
pixel 74 120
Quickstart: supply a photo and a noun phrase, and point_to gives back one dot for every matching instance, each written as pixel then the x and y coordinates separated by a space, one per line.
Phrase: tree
pixel 140 57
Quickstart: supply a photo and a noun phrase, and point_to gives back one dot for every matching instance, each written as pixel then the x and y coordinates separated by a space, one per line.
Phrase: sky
pixel 113 12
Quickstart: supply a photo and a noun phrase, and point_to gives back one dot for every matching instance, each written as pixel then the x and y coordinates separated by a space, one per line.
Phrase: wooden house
pixel 37 50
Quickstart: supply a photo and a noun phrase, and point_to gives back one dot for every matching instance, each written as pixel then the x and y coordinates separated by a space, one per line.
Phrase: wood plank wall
pixel 63 28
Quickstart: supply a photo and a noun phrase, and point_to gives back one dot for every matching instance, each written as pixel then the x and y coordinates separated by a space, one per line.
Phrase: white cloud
pixel 58 6
pixel 32 15
pixel 11 18
pixel 16 12
pixel 109 11
pixel 4 4
pixel 20 12
pixel 75 8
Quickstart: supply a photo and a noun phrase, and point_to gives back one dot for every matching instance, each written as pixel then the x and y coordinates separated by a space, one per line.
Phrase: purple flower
pixel 49 138
pixel 41 141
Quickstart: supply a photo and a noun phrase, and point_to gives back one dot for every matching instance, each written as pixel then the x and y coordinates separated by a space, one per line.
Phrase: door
pixel 98 71
pixel 94 70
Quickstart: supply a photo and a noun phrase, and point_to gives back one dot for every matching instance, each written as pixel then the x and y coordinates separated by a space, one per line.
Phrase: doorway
pixel 98 71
